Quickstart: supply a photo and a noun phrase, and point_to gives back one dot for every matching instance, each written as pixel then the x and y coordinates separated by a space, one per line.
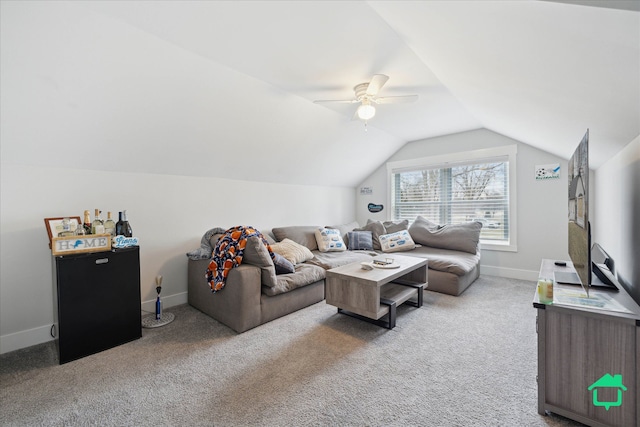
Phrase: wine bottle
pixel 119 225
pixel 125 227
pixel 87 222
pixel 110 225
pixel 97 226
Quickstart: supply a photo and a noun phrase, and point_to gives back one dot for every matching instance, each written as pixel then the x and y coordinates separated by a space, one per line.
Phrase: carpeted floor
pixel 457 361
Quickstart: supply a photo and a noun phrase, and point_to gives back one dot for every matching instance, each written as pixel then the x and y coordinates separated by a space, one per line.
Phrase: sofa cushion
pixel 330 240
pixel 304 275
pixel 448 261
pixel 397 242
pixel 268 235
pixel 329 260
pixel 302 234
pixel 395 226
pixel 292 251
pixel 256 253
pixel 282 265
pixel 360 240
pixel 377 229
pixel 458 237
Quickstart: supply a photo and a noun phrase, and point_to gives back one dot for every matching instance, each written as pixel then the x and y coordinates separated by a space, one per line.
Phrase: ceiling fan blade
pixel 342 101
pixel 405 99
pixel 376 83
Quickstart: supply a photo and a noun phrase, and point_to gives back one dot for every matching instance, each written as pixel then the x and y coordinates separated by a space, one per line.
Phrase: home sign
pixel 81 244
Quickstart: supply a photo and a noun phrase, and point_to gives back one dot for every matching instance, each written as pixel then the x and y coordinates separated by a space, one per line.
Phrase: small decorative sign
pixel 366 190
pixel 124 242
pixel 60 225
pixel 544 172
pixel 80 244
pixel 374 208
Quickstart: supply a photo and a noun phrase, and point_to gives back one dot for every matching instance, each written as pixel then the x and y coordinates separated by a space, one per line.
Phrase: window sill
pixel 503 247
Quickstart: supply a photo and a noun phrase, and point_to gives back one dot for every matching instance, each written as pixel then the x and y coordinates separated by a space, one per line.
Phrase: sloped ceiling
pixel 226 89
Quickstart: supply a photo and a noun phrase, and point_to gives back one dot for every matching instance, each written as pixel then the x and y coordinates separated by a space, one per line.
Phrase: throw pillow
pixel 392 227
pixel 329 240
pixel 256 253
pixel 360 240
pixel 396 242
pixel 377 229
pixel 283 265
pixel 292 251
pixel 344 229
pixel 457 237
pixel 301 234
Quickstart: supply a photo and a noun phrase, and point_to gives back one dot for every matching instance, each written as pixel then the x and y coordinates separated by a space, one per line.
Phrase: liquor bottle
pixel 122 226
pixel 97 226
pixel 66 230
pixel 110 225
pixel 80 231
pixel 87 222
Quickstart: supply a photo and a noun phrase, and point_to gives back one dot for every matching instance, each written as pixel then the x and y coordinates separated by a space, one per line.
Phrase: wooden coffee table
pixel 371 294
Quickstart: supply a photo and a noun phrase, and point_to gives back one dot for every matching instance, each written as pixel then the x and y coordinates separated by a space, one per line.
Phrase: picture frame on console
pixel 54 225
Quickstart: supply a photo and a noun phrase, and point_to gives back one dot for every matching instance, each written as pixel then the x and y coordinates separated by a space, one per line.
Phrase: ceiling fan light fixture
pixel 366 111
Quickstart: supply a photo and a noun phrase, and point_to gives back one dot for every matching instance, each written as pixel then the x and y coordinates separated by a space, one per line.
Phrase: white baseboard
pixel 22 339
pixel 167 301
pixel 41 334
pixel 511 273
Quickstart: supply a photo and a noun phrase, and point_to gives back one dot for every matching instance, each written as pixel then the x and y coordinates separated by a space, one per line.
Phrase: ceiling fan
pixel 367 96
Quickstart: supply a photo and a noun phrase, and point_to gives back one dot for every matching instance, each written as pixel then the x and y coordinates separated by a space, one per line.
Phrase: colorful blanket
pixel 228 254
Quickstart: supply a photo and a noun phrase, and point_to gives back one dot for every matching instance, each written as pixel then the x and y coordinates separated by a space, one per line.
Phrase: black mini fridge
pixel 97 301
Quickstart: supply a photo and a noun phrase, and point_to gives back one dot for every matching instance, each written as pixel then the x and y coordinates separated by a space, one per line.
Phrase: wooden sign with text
pixel 81 244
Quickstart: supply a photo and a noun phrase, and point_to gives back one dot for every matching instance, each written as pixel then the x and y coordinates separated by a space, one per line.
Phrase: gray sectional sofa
pixel 254 294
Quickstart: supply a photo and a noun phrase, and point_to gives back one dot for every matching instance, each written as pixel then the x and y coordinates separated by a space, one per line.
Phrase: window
pixel 474 186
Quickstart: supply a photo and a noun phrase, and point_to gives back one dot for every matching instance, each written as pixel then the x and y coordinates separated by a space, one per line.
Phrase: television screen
pixel 579 233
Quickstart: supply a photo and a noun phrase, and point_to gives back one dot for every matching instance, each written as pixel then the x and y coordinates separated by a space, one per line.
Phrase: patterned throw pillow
pixel 360 240
pixel 330 240
pixel 377 229
pixel 396 242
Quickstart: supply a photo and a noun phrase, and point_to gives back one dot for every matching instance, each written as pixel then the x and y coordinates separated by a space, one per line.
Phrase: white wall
pixel 98 114
pixel 168 213
pixel 541 205
pixel 617 206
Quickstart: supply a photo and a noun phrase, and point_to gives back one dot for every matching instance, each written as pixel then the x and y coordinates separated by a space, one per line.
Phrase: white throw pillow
pixel 330 240
pixel 294 252
pixel 396 242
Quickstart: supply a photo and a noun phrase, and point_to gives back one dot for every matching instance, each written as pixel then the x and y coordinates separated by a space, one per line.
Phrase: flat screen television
pixel 579 228
pixel 586 259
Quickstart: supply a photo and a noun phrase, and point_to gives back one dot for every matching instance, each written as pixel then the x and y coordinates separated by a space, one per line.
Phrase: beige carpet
pixel 457 361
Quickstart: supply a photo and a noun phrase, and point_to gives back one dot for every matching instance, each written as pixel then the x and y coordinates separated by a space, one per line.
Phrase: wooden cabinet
pixel 97 301
pixel 589 360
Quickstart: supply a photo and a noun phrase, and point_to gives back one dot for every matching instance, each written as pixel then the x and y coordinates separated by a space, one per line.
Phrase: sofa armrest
pixel 237 305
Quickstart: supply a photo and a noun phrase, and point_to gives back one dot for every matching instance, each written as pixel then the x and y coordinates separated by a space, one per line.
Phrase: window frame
pixel 475 156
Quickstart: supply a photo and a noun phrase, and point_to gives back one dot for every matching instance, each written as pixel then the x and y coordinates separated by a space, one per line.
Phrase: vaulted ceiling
pixel 227 88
